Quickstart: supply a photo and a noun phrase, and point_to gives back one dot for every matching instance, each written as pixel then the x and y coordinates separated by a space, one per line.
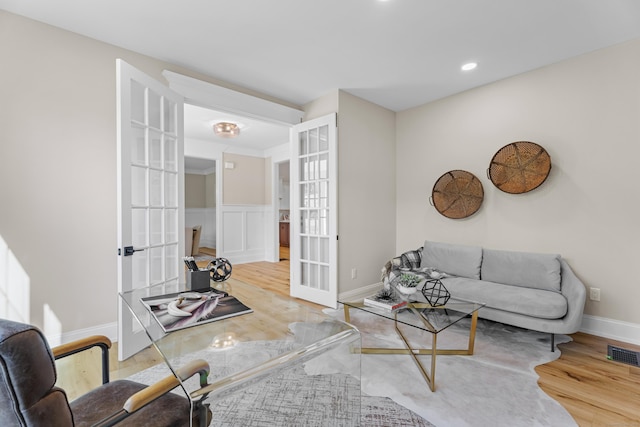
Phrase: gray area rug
pixel 497 386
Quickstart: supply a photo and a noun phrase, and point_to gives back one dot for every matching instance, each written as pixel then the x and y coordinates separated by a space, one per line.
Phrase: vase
pixel 407 291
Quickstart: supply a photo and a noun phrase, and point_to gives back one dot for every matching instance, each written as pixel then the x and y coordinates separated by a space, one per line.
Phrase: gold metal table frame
pixel 429 376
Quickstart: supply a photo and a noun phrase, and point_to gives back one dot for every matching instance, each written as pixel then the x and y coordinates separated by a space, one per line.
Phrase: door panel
pixel 314 211
pixel 150 192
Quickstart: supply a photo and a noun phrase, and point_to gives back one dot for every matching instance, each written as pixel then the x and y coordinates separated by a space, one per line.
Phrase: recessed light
pixel 469 66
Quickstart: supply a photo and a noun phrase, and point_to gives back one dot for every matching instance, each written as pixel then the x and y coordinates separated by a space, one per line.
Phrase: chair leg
pixel 553 343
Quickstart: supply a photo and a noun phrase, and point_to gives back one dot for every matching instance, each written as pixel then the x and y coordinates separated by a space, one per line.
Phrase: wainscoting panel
pixel 243 233
pixel 255 230
pixel 233 237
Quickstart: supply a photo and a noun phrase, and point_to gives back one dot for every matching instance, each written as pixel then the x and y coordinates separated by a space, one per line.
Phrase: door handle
pixel 129 250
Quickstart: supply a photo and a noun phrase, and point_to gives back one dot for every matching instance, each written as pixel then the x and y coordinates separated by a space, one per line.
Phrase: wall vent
pixel 623 355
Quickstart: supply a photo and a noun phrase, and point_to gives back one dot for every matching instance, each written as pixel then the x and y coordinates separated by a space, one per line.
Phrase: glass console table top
pixel 288 333
pixel 437 318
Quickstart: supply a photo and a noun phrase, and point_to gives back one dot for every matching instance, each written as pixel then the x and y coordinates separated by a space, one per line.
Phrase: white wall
pixel 586 113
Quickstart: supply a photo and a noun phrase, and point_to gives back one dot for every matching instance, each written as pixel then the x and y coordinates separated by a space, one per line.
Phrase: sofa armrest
pixel 576 294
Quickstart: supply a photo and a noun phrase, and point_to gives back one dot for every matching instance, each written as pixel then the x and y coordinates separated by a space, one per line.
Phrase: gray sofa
pixel 529 290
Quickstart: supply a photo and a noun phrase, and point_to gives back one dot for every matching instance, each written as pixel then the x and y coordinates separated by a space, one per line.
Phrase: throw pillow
pixel 456 260
pixel 530 270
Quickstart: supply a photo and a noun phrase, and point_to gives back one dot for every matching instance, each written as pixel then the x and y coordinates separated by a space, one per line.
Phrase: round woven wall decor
pixel 519 167
pixel 457 194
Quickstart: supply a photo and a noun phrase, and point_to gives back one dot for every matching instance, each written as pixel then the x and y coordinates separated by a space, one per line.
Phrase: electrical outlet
pixel 594 294
pixel 354 273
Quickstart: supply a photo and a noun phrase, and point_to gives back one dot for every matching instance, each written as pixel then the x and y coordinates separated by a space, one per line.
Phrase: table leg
pixel 347 315
pixel 429 377
pixel 472 332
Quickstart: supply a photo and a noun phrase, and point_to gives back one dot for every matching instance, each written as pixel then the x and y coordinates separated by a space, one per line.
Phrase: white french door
pixel 314 211
pixel 150 192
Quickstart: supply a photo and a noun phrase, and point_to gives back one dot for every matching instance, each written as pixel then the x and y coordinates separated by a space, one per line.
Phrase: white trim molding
pixel 360 293
pixel 611 328
pixel 222 99
pixel 110 330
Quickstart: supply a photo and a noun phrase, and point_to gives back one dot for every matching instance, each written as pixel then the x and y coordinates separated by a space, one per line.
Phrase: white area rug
pixel 497 386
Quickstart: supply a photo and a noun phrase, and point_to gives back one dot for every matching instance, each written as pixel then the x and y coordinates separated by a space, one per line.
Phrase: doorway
pixel 200 207
pixel 284 209
pixel 244 233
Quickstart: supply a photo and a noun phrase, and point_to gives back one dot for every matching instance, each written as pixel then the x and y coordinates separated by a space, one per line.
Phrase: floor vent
pixel 623 355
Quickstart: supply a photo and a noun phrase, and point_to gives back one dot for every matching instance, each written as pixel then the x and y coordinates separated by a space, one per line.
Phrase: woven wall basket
pixel 457 194
pixel 519 167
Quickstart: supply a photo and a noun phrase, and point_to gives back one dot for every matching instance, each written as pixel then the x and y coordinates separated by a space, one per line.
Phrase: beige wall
pixel 58 165
pixel 585 112
pixel 200 190
pixel 246 183
pixel 195 191
pixel 366 185
pixel 210 190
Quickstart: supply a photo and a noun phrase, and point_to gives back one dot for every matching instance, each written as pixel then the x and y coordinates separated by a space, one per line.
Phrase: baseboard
pixel 610 328
pixel 360 293
pixel 110 330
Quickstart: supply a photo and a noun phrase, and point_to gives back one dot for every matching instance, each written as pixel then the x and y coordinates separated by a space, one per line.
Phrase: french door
pixel 150 192
pixel 314 211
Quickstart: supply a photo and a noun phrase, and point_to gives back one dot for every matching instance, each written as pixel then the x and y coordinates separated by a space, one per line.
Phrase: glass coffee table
pixel 277 337
pixel 421 315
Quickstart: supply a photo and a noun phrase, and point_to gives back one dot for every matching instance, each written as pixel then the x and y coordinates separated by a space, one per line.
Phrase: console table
pixel 305 332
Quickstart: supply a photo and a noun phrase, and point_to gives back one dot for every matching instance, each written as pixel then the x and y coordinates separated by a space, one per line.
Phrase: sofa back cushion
pixel 529 270
pixel 457 260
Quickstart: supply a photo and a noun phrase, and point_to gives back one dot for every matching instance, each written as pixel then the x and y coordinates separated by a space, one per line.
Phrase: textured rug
pixel 497 386
pixel 203 257
pixel 291 398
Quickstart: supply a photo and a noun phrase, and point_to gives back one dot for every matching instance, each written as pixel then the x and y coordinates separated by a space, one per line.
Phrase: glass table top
pixel 279 332
pixel 419 313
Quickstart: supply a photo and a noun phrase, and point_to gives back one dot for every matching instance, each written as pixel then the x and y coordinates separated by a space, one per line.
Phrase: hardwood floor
pixel 267 275
pixel 596 391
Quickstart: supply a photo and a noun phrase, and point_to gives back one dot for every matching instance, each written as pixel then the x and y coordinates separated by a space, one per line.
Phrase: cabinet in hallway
pixel 284 234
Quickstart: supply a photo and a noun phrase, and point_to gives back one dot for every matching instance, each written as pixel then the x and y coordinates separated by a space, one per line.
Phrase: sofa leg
pixel 553 342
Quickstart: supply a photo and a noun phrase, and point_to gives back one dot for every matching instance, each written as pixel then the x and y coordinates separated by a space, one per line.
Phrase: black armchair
pixel 29 397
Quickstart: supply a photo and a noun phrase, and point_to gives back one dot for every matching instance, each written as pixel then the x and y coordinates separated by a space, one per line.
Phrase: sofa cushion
pixel 530 270
pixel 531 302
pixel 457 260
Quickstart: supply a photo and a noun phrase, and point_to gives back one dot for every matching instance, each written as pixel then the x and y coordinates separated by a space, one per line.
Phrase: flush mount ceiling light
pixel 469 66
pixel 226 129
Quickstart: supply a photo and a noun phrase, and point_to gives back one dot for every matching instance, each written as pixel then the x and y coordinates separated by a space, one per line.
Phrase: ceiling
pixel 254 134
pixel 396 53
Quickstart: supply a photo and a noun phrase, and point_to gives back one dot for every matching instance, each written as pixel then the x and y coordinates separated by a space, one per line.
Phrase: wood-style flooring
pixel 597 392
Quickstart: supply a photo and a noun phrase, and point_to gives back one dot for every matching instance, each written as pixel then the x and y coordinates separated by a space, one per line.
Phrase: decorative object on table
pixel 519 167
pixel 435 292
pixel 387 299
pixel 457 194
pixel 220 269
pixel 408 283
